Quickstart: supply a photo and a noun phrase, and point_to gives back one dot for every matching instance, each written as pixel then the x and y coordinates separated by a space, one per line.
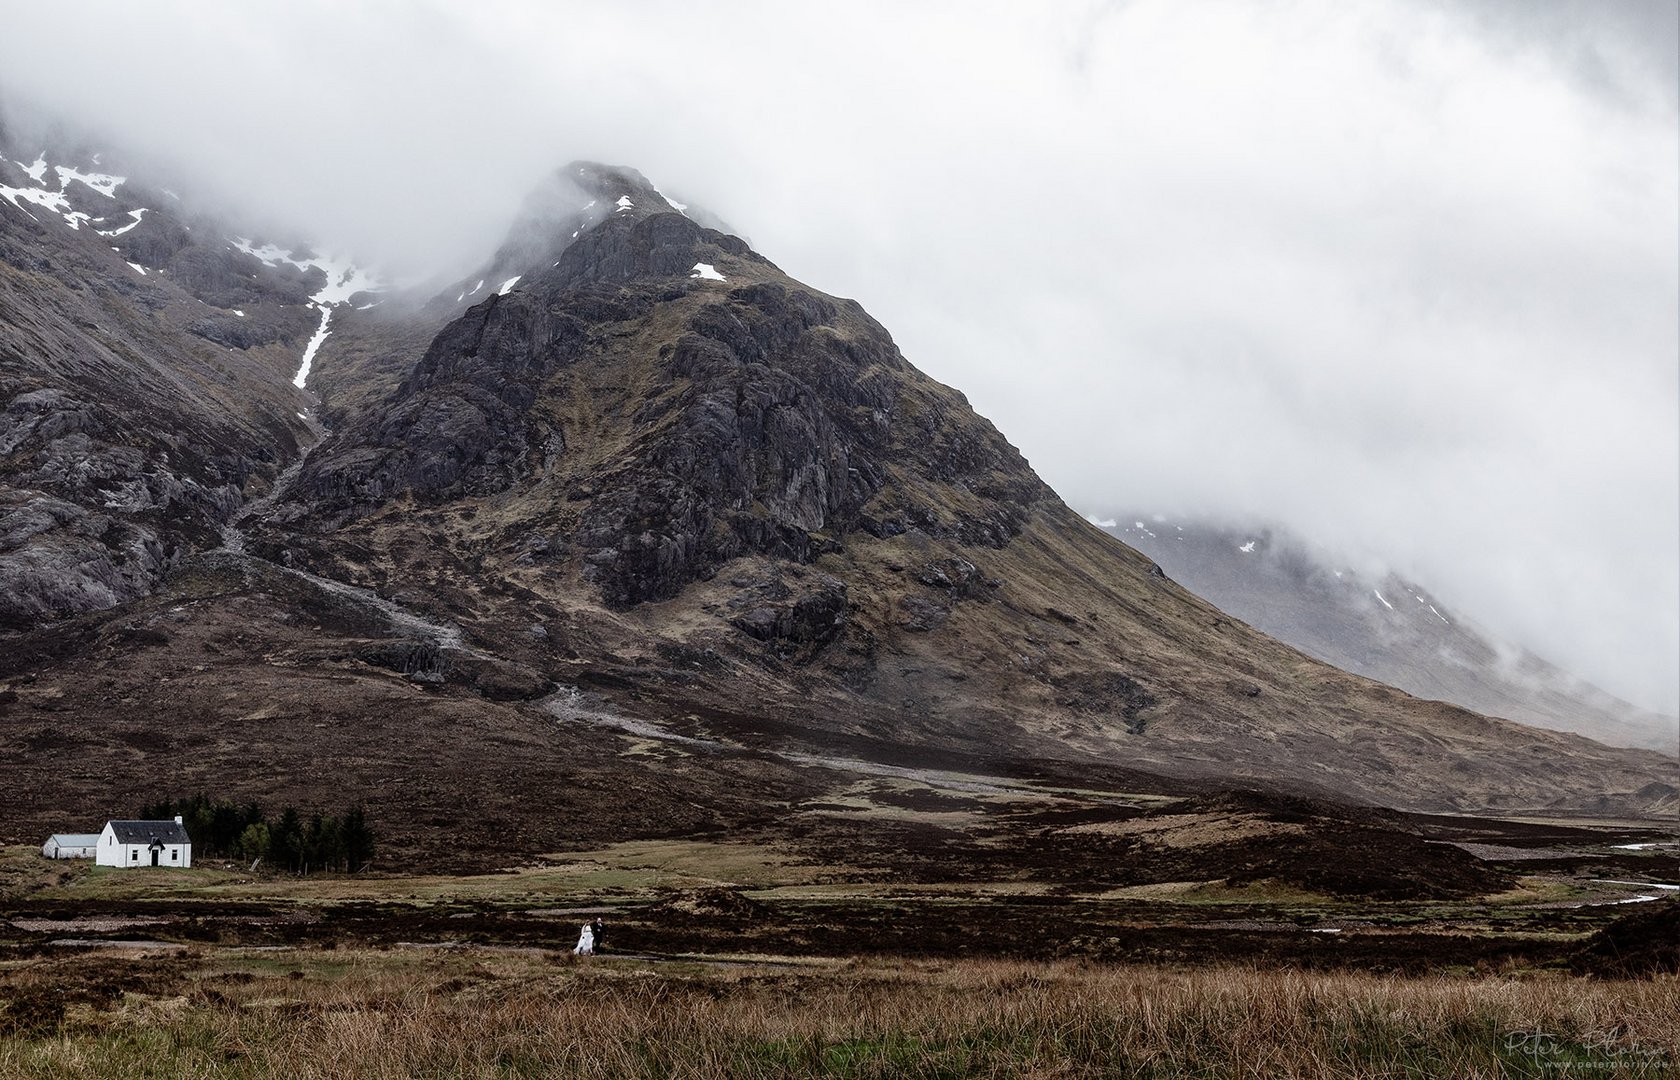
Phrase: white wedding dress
pixel 586 942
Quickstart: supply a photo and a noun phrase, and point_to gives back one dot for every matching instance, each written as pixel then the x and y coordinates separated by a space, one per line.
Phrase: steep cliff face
pixel 768 419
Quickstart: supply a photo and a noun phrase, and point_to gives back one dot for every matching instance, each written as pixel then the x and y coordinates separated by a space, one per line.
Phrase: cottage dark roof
pixel 143 832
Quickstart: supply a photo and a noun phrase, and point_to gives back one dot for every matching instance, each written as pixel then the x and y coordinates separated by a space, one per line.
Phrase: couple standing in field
pixel 590 939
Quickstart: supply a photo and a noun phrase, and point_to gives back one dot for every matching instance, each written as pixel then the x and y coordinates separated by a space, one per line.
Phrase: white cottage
pixel 144 843
pixel 70 845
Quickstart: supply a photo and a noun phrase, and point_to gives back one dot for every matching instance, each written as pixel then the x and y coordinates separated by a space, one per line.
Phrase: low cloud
pixel 1399 274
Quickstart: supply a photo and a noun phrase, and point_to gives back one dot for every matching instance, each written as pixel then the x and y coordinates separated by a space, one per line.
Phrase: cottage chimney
pixel 177 819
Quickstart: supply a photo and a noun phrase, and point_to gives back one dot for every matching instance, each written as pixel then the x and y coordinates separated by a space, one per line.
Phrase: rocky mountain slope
pixel 145 366
pixel 646 537
pixel 1387 628
pixel 660 448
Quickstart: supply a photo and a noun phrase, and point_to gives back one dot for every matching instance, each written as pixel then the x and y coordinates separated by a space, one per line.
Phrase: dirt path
pixel 570 705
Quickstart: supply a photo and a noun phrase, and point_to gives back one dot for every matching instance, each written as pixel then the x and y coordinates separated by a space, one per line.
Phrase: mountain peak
pixel 619 188
pixel 566 206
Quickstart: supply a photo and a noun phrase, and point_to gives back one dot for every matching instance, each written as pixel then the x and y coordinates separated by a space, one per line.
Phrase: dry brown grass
pixel 502 1014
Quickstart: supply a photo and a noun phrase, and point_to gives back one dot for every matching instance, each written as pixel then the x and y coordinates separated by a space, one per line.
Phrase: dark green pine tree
pixel 286 840
pixel 358 840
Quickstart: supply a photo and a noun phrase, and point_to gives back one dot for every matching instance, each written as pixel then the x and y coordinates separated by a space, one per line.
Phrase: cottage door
pixel 154 856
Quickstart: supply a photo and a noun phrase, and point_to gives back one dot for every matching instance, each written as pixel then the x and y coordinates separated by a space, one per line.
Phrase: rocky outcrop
pixel 57 559
pixel 132 413
pixel 810 611
pixel 772 425
pixel 90 517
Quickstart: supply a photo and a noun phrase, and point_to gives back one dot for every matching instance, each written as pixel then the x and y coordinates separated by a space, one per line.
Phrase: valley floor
pixel 729 958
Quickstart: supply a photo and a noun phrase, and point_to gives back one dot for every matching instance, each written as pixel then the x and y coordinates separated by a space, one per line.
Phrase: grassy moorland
pixel 1187 940
pixel 472 1013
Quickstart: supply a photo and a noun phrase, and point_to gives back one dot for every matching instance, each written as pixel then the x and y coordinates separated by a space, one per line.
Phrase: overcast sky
pixel 1401 275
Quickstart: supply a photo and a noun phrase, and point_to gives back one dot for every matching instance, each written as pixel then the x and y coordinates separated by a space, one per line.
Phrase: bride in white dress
pixel 586 942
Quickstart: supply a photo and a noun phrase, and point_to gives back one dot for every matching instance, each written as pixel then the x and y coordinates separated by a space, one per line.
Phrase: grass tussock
pixel 473 1015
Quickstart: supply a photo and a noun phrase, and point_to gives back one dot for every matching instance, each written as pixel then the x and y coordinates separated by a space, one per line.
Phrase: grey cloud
pixel 1625 49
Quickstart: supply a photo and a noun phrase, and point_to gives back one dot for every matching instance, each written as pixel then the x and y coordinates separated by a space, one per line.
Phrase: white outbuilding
pixel 144 843
pixel 70 845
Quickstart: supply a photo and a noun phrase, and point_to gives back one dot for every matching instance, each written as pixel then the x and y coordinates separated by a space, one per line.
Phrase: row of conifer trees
pixel 341 842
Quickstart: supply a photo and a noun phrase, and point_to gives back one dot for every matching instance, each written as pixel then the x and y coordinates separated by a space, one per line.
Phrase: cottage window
pixel 134 855
pixel 174 854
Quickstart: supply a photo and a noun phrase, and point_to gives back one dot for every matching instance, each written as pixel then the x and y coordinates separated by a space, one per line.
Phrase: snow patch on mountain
pixel 672 203
pixel 137 215
pixel 707 272
pixel 314 346
pixel 507 286
pixel 344 279
pixel 50 200
pixel 104 184
pixel 57 201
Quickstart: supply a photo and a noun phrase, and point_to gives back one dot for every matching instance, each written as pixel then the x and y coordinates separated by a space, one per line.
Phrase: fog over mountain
pixel 1400 275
